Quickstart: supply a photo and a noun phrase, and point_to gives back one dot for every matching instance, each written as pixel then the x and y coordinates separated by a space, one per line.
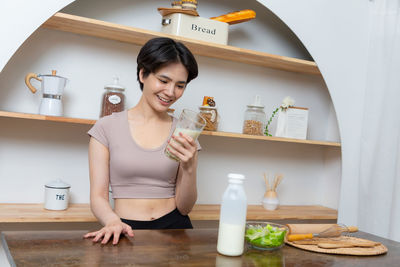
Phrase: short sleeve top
pixel 135 172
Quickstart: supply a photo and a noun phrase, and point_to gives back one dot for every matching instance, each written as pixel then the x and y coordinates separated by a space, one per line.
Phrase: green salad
pixel 267 236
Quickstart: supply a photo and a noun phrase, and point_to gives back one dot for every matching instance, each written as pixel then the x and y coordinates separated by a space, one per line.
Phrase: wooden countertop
pixel 196 247
pixel 14 213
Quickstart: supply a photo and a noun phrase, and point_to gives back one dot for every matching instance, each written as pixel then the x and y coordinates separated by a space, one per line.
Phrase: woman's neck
pixel 145 112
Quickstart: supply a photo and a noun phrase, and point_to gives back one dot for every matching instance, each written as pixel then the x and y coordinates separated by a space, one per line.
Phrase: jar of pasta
pixel 254 118
pixel 210 114
pixel 113 98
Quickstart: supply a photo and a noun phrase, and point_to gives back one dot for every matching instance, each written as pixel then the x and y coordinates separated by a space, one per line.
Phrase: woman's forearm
pixel 186 187
pixel 102 210
pixel 99 158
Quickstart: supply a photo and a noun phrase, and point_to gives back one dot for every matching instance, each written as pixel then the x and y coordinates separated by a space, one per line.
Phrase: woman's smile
pixel 164 101
pixel 164 87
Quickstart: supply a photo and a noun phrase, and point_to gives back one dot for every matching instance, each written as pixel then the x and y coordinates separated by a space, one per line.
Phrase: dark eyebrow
pixel 169 79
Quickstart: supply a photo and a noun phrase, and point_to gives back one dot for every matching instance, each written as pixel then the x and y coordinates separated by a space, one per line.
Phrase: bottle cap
pixel 256 102
pixel 115 85
pixel 236 178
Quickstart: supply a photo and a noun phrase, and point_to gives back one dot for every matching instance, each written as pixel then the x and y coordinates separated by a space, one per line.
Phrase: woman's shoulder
pixel 112 119
pixel 104 128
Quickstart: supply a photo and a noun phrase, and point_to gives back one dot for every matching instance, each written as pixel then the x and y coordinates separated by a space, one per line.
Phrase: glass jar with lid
pixel 254 118
pixel 210 114
pixel 176 4
pixel 113 98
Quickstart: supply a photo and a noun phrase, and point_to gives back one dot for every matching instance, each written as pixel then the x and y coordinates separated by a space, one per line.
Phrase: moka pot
pixel 52 87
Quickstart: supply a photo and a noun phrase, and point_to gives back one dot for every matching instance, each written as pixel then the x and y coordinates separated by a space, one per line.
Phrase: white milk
pixel 230 239
pixel 192 133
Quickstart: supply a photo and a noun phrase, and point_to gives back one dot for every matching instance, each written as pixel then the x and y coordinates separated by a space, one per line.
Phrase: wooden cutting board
pixel 357 251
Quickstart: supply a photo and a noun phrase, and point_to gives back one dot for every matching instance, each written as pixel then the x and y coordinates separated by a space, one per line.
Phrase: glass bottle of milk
pixel 232 219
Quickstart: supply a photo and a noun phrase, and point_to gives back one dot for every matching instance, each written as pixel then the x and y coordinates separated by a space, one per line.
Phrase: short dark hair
pixel 159 52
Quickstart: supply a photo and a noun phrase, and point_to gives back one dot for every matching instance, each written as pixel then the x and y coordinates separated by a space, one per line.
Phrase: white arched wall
pixel 336 35
pixel 18 27
pixel 16 38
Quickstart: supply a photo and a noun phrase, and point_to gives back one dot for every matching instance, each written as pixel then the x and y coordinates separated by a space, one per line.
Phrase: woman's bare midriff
pixel 143 209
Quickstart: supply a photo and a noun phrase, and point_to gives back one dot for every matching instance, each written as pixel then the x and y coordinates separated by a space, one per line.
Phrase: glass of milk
pixel 190 123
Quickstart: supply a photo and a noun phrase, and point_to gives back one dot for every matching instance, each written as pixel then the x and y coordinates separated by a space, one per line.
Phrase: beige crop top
pixel 135 172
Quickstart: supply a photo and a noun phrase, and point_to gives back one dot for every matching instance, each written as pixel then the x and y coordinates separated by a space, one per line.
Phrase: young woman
pixel 126 150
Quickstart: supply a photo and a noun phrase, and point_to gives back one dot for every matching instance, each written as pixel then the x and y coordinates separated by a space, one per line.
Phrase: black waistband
pixel 172 220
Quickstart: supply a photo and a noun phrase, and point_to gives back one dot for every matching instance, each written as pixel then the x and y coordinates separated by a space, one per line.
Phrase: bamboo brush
pixel 270 201
pixel 271 190
pixel 266 181
pixel 277 181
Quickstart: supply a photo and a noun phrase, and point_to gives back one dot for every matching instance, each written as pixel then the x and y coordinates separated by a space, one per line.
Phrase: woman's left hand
pixel 184 148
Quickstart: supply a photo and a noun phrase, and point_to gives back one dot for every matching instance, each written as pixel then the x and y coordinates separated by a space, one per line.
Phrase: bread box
pixel 195 27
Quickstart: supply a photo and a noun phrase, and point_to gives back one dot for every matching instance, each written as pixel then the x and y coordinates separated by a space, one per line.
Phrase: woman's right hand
pixel 114 228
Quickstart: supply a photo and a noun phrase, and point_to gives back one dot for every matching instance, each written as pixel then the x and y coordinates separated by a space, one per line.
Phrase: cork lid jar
pixel 113 99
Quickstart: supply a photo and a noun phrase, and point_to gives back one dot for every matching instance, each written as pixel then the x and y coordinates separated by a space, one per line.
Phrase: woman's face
pixel 164 87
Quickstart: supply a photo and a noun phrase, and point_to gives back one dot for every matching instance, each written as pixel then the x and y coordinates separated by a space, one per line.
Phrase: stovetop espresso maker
pixel 52 87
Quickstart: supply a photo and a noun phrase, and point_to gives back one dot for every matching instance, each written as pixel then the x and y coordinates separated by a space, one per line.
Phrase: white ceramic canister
pixel 56 195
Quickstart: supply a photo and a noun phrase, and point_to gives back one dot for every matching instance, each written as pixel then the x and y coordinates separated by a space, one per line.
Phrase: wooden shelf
pixel 112 31
pixel 221 134
pixel 19 213
pixel 271 138
pixel 44 117
pixel 12 213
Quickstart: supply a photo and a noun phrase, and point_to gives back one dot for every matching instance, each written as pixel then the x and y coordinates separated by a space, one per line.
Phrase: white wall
pixel 34 152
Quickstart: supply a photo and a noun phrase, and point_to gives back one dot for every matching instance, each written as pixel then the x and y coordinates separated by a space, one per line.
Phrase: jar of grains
pixel 113 98
pixel 254 118
pixel 176 4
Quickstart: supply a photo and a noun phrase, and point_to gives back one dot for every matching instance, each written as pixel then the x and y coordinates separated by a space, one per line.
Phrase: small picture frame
pixel 292 123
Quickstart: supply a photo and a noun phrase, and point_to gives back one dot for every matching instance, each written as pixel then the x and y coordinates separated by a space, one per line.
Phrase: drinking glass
pixel 190 123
